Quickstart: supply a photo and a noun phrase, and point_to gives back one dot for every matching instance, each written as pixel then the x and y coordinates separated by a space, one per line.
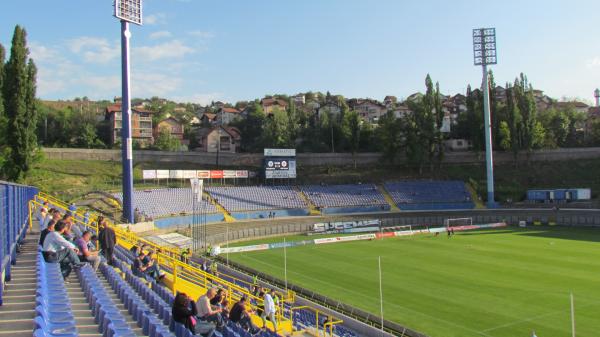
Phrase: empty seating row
pixel 167 201
pixel 429 192
pixel 253 198
pixel 344 195
pixel 152 314
pixel 53 307
pixel 107 315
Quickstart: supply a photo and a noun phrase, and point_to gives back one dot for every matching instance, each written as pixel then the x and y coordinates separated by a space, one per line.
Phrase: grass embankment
pixel 494 283
pixel 71 179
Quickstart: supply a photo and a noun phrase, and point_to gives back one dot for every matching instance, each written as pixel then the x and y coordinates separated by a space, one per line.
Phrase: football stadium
pixel 310 215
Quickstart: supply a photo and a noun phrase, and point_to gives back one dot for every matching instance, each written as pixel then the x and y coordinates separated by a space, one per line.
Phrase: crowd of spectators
pixel 72 243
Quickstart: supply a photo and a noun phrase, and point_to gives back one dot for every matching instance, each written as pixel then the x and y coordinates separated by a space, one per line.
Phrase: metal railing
pixel 329 323
pixel 184 277
pixel 14 214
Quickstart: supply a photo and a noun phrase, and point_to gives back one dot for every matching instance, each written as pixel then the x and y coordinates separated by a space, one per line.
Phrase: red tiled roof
pixel 231 110
pixel 273 101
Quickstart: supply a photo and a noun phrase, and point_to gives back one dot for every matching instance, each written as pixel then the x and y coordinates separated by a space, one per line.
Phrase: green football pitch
pixel 506 282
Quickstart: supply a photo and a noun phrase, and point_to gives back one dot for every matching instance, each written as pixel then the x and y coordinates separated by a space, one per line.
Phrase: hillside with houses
pixel 326 122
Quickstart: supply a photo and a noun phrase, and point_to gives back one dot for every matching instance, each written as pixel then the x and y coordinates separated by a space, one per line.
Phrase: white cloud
pixel 593 62
pixel 202 34
pixel 102 85
pixel 171 49
pixel 160 34
pixel 94 49
pixel 155 19
pixel 154 84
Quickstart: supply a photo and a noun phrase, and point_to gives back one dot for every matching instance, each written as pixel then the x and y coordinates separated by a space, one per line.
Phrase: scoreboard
pixel 280 163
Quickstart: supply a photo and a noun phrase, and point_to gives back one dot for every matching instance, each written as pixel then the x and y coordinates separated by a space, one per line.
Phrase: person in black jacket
pixel 45 232
pixel 184 312
pixel 107 240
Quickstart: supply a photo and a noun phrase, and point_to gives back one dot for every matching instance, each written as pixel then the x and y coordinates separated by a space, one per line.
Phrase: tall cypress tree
pixel 19 106
pixel 2 116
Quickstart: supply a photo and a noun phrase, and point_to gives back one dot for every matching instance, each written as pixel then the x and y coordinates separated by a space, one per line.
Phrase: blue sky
pixel 198 51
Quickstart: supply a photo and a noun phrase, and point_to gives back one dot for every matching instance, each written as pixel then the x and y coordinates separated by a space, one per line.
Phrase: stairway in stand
pixel 81 311
pixel 18 309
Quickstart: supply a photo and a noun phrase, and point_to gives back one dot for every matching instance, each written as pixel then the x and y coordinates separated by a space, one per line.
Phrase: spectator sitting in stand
pixel 241 314
pixel 184 312
pixel 206 312
pixel 139 268
pixel 153 269
pixel 58 250
pixel 219 297
pixel 45 232
pixel 85 255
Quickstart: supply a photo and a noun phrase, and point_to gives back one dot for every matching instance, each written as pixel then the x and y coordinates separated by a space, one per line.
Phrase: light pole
pixel 484 52
pixel 127 11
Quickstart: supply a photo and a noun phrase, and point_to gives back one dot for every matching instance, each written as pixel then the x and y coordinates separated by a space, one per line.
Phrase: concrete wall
pixel 309 159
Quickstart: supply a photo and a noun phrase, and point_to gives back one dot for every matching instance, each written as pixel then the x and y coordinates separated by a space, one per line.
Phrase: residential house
pixel 311 107
pixel 299 99
pixel 390 101
pixel 269 104
pixel 457 144
pixel 141 124
pixel 208 118
pixel 226 115
pixel 575 105
pixel 330 108
pixel 172 125
pixel 369 110
pixel 593 115
pixel 218 105
pixel 401 111
pixel 218 139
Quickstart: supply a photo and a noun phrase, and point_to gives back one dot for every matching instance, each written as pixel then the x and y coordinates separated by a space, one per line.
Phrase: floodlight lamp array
pixel 129 10
pixel 484 46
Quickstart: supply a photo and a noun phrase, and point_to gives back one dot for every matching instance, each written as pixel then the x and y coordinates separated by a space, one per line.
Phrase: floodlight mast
pixel 127 11
pixel 484 52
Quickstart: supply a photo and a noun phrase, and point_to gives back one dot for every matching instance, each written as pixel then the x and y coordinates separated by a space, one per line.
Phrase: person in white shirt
pixel 269 310
pixel 57 249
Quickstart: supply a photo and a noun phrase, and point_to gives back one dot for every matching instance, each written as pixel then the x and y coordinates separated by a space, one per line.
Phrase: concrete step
pixel 12 298
pixel 16 333
pixel 20 279
pixel 20 324
pixel 11 306
pixel 13 285
pixel 79 306
pixel 18 292
pixel 17 314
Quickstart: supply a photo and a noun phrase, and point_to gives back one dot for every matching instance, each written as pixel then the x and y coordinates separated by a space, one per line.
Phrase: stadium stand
pixel 346 198
pixel 427 195
pixel 257 201
pixel 158 203
pixel 112 301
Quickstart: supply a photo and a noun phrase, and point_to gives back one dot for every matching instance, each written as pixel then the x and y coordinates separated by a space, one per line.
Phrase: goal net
pixel 458 222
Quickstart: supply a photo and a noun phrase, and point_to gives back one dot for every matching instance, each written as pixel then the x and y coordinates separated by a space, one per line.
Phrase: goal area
pixel 454 222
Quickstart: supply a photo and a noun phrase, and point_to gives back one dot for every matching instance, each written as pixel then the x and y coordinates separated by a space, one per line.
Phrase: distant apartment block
pixel 141 124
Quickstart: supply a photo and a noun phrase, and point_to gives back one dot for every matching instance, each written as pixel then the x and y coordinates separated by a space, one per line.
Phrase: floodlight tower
pixel 484 52
pixel 597 96
pixel 127 11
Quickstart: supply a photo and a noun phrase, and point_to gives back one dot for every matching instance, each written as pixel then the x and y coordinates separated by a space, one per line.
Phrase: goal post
pixel 453 222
